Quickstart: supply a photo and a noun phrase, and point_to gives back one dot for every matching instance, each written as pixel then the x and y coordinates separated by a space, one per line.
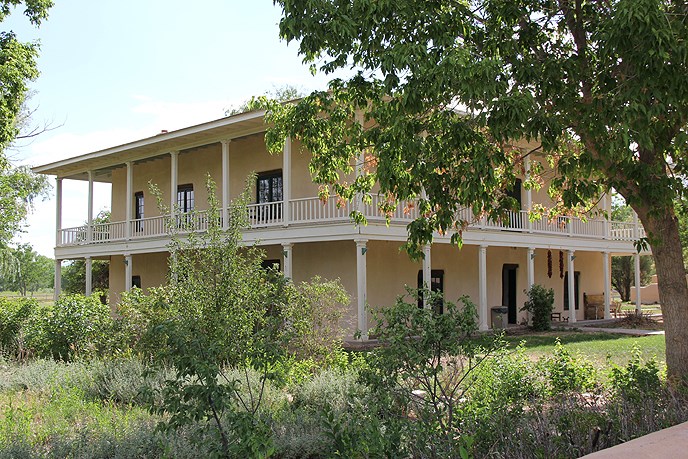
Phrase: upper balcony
pixel 314 212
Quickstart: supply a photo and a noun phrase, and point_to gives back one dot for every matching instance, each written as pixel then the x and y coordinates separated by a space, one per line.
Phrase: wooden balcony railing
pixel 312 211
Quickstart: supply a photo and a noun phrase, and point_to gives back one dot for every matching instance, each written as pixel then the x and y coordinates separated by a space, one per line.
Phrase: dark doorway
pixel 576 278
pixel 509 291
pixel 436 285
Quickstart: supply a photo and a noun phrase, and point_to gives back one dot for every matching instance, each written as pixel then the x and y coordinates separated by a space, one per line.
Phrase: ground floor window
pixel 271 264
pixel 136 281
pixel 576 276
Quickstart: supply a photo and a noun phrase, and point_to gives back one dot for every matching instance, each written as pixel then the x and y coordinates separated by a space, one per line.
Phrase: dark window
pixel 436 285
pixel 271 264
pixel 515 192
pixel 185 198
pixel 576 276
pixel 138 210
pixel 136 281
pixel 269 187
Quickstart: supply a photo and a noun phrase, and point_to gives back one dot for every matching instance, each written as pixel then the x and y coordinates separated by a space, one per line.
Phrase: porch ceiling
pixel 104 161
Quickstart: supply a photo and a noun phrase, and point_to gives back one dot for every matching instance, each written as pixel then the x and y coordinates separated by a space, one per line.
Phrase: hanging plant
pixel 549 264
pixel 561 264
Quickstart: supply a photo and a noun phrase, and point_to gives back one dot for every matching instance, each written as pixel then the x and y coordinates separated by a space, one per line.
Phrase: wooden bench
pixel 557 316
pixel 593 306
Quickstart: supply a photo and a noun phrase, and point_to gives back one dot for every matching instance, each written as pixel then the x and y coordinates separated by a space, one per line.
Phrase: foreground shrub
pixel 227 327
pixel 76 326
pixel 419 377
pixel 14 314
pixel 540 304
pixel 568 373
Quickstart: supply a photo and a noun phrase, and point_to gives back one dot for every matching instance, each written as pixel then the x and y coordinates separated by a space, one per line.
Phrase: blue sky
pixel 113 71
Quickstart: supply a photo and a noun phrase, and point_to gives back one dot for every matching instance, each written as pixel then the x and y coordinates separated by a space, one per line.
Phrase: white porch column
pixel 607 285
pixel 225 183
pixel 286 182
pixel 361 285
pixel 571 280
pixel 129 198
pixel 89 218
pixel 531 267
pixel 286 254
pixel 529 194
pixel 174 177
pixel 427 274
pixel 58 213
pixel 127 272
pixel 58 279
pixel 608 211
pixel 638 307
pixel 89 276
pixel 482 287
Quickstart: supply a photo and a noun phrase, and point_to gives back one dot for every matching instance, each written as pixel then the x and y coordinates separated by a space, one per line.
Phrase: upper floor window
pixel 185 198
pixel 269 187
pixel 138 209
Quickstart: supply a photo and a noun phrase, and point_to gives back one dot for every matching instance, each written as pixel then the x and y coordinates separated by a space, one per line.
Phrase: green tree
pixel 623 267
pixel 623 274
pixel 600 86
pixel 281 94
pixel 74 274
pixel 33 271
pixel 18 186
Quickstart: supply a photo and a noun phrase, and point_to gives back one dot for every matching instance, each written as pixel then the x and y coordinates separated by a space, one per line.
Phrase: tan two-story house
pixel 307 237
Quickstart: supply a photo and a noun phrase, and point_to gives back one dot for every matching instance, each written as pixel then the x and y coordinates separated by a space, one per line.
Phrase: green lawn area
pixel 595 346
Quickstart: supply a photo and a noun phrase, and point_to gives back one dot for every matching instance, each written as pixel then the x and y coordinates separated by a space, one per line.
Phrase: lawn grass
pixel 601 348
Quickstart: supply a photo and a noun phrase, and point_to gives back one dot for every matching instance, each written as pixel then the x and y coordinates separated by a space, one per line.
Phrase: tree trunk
pixel 664 240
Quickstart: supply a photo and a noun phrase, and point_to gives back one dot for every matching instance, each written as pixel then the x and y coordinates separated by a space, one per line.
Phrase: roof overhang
pixel 102 162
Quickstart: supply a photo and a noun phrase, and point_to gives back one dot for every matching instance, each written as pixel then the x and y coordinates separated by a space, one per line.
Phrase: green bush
pixel 540 304
pixel 567 373
pixel 417 380
pixel 14 313
pixel 76 326
pixel 638 379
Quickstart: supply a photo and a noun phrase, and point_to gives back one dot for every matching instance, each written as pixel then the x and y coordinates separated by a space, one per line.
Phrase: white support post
pixel 607 285
pixel 89 218
pixel 636 232
pixel 128 269
pixel 427 274
pixel 572 292
pixel 638 305
pixel 286 182
pixel 529 195
pixel 174 177
pixel 89 276
pixel 58 279
pixel 287 256
pixel 608 211
pixel 361 286
pixel 225 183
pixel 129 198
pixel 58 213
pixel 482 286
pixel 531 267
